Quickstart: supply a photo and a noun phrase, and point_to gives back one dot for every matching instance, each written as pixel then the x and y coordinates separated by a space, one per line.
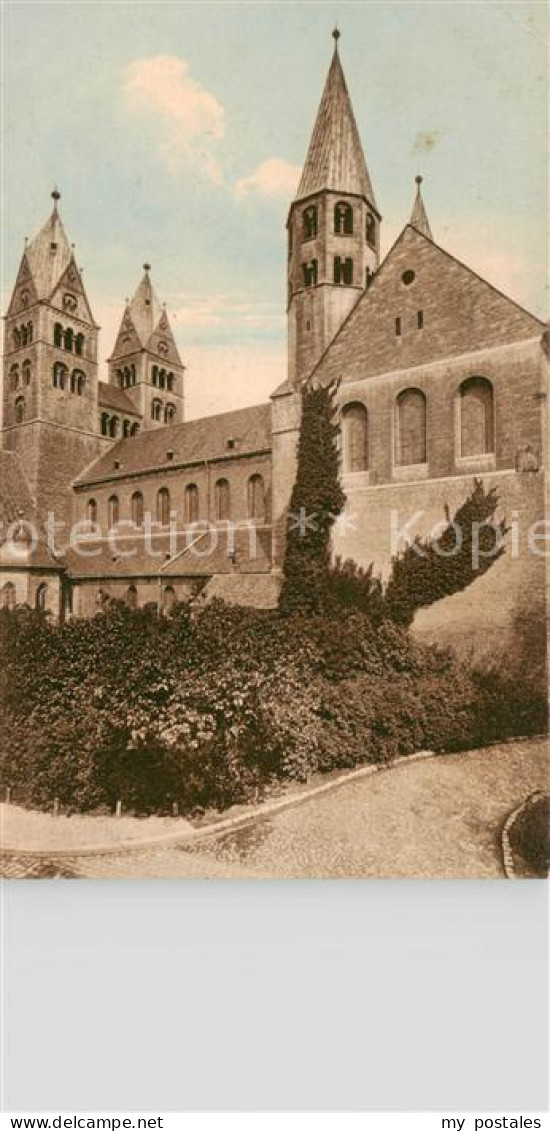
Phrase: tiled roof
pixel 192 442
pixel 335 158
pixel 15 498
pixel 419 216
pixel 49 255
pixel 199 556
pixel 114 397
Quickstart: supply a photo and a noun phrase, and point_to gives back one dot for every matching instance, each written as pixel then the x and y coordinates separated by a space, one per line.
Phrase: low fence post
pixel 8 794
pixel 118 809
pixel 175 809
pixel 56 806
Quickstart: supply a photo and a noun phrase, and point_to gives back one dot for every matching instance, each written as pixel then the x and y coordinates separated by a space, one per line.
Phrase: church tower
pixel 50 370
pixel 333 229
pixel 146 361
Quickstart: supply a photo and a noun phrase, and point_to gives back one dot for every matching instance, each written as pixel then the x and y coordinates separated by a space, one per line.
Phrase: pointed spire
pixel 49 253
pixel 144 307
pixel 419 216
pixel 335 158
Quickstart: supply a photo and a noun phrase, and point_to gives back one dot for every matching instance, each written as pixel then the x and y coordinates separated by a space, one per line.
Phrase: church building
pixel 442 379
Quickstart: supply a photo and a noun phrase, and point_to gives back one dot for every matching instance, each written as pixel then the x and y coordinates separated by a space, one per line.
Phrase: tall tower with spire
pixel 333 229
pixel 145 359
pixel 50 369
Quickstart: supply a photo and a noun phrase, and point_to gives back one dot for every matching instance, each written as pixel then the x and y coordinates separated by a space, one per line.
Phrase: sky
pixel 176 133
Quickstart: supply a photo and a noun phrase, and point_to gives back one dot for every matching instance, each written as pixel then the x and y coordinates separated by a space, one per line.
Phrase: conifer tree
pixel 316 501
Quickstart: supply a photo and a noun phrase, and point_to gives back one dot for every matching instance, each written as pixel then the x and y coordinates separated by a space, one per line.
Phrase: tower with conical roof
pixel 333 229
pixel 50 369
pixel 145 360
pixel 419 216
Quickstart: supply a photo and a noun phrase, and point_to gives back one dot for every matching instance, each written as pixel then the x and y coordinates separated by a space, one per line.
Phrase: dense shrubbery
pixel 210 711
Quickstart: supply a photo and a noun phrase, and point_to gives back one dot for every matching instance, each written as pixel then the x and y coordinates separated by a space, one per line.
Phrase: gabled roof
pixel 48 255
pixel 193 442
pixel 335 158
pixel 419 216
pixel 111 396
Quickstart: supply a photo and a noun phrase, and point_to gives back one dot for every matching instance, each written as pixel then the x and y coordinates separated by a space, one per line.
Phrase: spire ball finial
pixel 336 35
pixel 56 195
pixel 418 179
pixel 146 266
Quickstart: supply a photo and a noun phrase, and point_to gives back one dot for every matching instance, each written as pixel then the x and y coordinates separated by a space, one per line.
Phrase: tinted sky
pixel 176 132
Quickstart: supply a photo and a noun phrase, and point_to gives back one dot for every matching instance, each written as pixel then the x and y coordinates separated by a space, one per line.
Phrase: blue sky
pixel 176 131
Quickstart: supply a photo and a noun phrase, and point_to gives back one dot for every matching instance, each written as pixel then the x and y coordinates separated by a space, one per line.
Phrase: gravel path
pixel 436 818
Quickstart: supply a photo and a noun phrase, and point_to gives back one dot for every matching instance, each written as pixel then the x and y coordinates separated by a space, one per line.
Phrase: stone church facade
pixel 442 379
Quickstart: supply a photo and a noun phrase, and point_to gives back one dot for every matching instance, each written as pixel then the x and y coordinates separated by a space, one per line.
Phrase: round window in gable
pixel 408 277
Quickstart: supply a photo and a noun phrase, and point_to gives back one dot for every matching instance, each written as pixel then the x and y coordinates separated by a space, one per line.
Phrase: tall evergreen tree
pixel 316 501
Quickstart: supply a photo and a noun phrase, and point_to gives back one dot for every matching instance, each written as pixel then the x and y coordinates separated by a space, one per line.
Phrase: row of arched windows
pixel 256 504
pixel 24 376
pixel 22 335
pixel 162 379
pixel 113 426
pixel 126 376
pixel 343 271
pixel 68 340
pixel 163 412
pixel 74 382
pixel 476 434
pixel 168 598
pixel 9 597
pixel 343 222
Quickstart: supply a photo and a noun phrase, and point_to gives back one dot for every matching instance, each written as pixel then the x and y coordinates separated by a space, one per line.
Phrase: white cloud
pixel 273 178
pixel 191 119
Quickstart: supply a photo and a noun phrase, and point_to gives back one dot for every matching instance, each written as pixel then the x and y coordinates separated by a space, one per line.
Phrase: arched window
pixel 79 344
pixel 113 510
pixel 68 339
pixel 59 375
pixel 132 374
pixel 156 410
pixel 29 331
pixel 77 382
pixel 256 498
pixel 155 374
pixel 168 598
pixel 16 338
pixel 222 499
pixel 169 413
pixel 191 503
pixel 137 508
pixel 170 381
pixel 91 511
pixel 309 218
pixel 132 597
pixel 113 427
pixel 134 429
pixel 26 369
pixel 310 272
pixel 343 218
pixel 343 270
pixel 477 432
pixel 41 595
pixel 163 506
pixel 370 229
pixel 58 334
pixel 410 430
pixel 24 335
pixel 162 379
pixel 14 377
pixel 19 410
pixel 105 423
pixel 355 437
pixel 8 595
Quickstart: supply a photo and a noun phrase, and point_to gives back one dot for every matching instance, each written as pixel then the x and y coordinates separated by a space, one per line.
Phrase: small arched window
pixel 310 272
pixel 58 334
pixel 132 597
pixel 41 596
pixel 77 382
pixel 168 598
pixel 30 331
pixel 309 218
pixel 256 498
pixel 68 339
pixel 24 335
pixel 8 595
pixel 170 381
pixel 355 438
pixel 105 423
pixel 126 428
pixel 191 503
pixel 222 499
pixel 343 270
pixel 19 410
pixel 155 374
pixel 134 429
pixel 113 427
pixel 59 375
pixel 477 432
pixel 16 338
pixel 79 344
pixel 343 218
pixel 163 506
pixel 137 508
pixel 169 413
pixel 156 410
pixel 162 379
pixel 410 428
pixel 26 369
pixel 14 377
pixel 113 510
pixel 91 511
pixel 370 229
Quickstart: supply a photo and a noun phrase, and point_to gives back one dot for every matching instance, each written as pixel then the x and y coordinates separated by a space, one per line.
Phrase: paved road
pixel 436 818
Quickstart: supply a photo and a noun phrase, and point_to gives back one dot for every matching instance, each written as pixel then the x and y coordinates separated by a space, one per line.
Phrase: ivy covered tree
pixel 432 568
pixel 316 501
